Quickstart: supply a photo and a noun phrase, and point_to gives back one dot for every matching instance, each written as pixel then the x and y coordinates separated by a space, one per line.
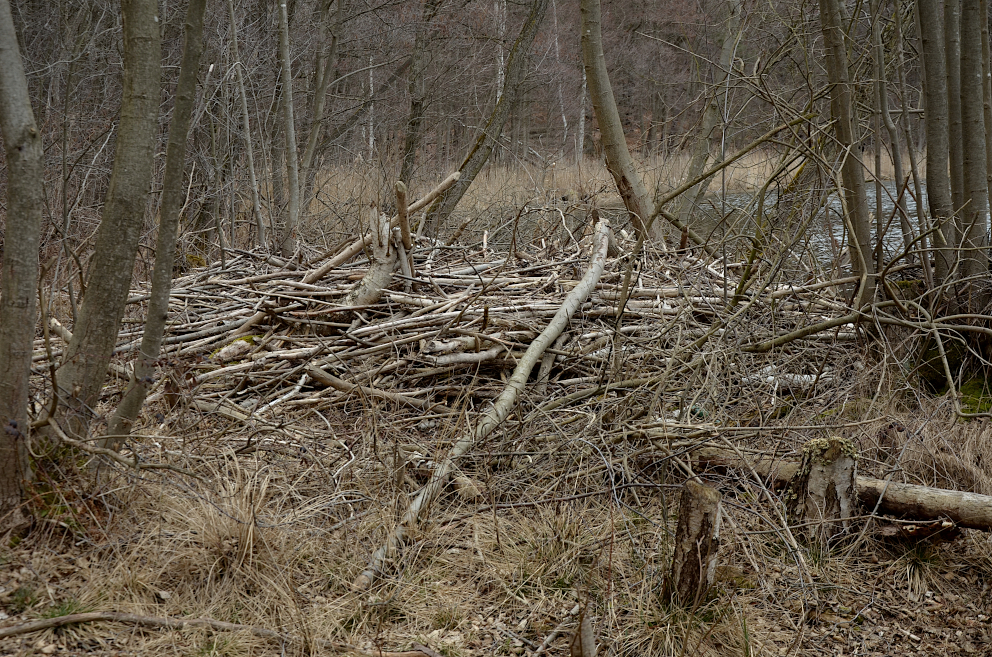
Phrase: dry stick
pixel 500 410
pixel 323 377
pixel 355 247
pixel 184 623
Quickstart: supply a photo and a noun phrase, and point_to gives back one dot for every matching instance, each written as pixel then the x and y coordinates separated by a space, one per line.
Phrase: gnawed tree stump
pixel 697 540
pixel 822 494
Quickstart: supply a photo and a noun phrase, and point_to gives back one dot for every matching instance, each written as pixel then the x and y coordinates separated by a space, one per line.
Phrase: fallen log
pixel 970 510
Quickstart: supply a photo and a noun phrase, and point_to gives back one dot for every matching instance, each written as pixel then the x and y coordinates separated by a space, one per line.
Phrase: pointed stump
pixel 697 540
pixel 822 495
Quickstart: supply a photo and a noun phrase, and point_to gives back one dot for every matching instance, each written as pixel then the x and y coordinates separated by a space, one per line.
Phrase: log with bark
pixel 920 503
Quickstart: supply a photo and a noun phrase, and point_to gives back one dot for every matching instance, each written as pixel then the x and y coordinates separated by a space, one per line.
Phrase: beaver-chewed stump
pixel 697 540
pixel 822 495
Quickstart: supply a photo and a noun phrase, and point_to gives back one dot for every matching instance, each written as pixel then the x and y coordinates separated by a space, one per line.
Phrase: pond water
pixel 826 234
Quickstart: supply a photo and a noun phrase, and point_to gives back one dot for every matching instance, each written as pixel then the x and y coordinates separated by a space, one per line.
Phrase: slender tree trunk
pixel 442 208
pixel 580 146
pixel 882 93
pixel 914 164
pixel 165 248
pixel 417 88
pixel 974 215
pixel 618 160
pixel 19 276
pixel 952 49
pixel 852 173
pixel 711 114
pixel 931 21
pixel 95 333
pixel 256 205
pixel 287 238
pixel 326 74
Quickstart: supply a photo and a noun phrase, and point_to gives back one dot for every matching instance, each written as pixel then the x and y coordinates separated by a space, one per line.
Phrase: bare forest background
pixel 472 327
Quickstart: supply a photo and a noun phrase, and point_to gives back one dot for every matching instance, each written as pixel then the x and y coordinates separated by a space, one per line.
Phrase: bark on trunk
pixel 821 495
pixel 952 50
pixel 442 208
pixel 165 248
pixel 95 333
pixel 852 172
pixel 974 260
pixel 697 542
pixel 936 121
pixel 19 277
pixel 618 160
pixel 287 236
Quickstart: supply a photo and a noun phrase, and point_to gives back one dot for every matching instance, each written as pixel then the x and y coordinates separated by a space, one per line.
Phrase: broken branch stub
pixel 822 494
pixel 697 541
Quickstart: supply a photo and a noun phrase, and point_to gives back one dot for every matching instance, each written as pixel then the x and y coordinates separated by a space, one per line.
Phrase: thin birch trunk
pixel 580 146
pixel 256 204
pixel 165 248
pixel 19 277
pixel 287 238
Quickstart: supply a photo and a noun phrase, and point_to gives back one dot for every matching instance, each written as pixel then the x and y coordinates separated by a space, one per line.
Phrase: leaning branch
pixel 500 410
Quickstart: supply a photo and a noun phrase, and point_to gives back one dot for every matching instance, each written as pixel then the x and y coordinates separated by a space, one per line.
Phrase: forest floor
pixel 279 487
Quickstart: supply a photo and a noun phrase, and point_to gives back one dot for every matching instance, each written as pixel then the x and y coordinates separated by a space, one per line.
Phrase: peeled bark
pixel 19 277
pixel 442 208
pixel 618 160
pixel 95 332
pixel 936 120
pixel 382 263
pixel 821 495
pixel 852 171
pixel 697 541
pixel 168 227
pixel 909 501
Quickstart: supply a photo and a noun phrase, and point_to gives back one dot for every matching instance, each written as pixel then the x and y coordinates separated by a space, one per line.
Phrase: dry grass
pixel 577 505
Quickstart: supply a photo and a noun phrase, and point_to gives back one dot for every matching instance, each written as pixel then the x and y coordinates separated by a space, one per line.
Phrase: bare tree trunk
pixel 974 261
pixel 95 333
pixel 697 543
pixel 417 89
pixel 19 276
pixel 580 146
pixel 326 72
pixel 882 94
pixel 165 248
pixel 822 494
pixel 287 237
pixel 256 205
pixel 931 21
pixel 442 208
pixel 618 160
pixel 852 173
pixel 711 113
pixel 921 221
pixel 952 50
